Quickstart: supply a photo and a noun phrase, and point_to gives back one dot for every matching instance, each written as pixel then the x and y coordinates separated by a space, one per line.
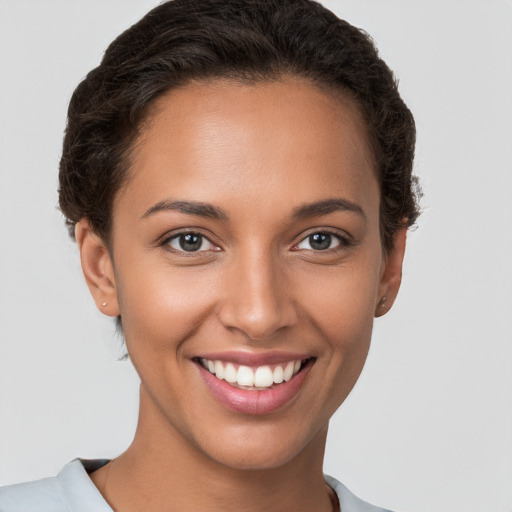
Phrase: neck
pixel 164 471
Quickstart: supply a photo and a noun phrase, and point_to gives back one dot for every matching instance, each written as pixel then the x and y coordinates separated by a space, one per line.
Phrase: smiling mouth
pixel 258 378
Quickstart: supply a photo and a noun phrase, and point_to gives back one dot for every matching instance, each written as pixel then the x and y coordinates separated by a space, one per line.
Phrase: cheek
pixel 342 302
pixel 341 306
pixel 161 305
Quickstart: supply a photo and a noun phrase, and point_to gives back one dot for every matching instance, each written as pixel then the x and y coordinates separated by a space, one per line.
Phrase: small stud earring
pixel 103 304
pixel 383 302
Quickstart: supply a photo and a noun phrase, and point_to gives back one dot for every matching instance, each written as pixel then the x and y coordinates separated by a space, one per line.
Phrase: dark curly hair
pixel 244 40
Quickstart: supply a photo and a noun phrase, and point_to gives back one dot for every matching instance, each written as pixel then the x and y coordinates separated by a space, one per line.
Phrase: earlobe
pixel 98 268
pixel 391 274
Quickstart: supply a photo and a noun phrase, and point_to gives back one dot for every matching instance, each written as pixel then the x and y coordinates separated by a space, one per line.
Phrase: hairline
pixel 337 93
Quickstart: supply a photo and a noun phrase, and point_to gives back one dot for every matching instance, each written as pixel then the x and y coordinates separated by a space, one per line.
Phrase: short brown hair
pixel 255 40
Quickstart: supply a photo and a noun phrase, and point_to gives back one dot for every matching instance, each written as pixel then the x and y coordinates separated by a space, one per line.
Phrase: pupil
pixel 190 242
pixel 320 241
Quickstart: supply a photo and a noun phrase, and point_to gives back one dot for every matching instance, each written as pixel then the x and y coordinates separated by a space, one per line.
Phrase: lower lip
pixel 254 402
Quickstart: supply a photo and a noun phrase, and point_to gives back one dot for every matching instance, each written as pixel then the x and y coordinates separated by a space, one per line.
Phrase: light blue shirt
pixel 73 491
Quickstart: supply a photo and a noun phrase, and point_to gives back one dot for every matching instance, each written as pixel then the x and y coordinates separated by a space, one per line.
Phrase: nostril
pixel 257 324
pixel 256 298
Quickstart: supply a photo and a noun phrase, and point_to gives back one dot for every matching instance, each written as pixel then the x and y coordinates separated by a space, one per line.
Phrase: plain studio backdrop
pixel 428 428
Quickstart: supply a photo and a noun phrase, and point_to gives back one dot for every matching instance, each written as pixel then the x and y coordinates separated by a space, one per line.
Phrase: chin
pixel 265 449
pixel 255 459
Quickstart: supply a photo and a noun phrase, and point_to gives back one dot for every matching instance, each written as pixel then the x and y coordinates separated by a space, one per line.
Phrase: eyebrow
pixel 327 206
pixel 210 211
pixel 191 207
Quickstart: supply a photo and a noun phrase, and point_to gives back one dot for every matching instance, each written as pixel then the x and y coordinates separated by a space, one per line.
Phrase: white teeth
pixel 219 370
pixel 278 375
pixel 245 376
pixel 261 377
pixel 264 377
pixel 288 371
pixel 230 373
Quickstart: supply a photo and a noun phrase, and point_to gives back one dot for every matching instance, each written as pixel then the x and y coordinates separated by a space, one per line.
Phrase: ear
pixel 391 273
pixel 98 268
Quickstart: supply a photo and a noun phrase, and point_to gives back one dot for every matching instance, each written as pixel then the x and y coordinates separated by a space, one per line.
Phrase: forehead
pixel 232 139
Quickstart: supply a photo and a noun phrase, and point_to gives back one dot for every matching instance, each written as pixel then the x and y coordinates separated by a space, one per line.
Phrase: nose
pixel 258 297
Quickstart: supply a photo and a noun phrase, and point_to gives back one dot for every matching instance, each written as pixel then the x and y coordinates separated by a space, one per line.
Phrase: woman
pixel 237 176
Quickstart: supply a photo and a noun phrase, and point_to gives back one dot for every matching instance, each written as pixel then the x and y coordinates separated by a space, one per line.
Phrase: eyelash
pixel 166 242
pixel 343 242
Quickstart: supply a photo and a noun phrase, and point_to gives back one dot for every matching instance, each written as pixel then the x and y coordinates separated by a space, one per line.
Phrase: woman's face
pixel 247 235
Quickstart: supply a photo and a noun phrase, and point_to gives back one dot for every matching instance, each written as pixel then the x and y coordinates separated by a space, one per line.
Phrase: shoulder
pixel 349 502
pixel 70 491
pixel 41 495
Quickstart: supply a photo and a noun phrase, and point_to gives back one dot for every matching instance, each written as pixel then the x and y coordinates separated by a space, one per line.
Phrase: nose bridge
pixel 257 298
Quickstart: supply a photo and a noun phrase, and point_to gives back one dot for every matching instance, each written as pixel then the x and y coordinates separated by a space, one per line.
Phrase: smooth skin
pixel 256 281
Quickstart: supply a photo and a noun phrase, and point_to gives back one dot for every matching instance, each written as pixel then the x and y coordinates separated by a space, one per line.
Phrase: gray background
pixel 429 425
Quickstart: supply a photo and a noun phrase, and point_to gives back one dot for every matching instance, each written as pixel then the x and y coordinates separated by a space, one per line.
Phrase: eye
pixel 189 242
pixel 322 241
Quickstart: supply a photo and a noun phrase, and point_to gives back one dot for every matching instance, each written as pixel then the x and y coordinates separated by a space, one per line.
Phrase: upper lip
pixel 255 359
